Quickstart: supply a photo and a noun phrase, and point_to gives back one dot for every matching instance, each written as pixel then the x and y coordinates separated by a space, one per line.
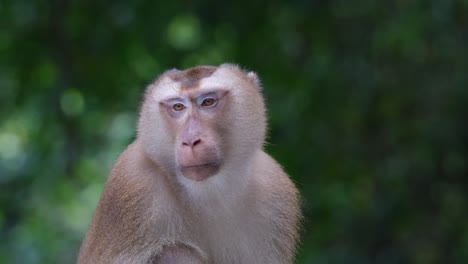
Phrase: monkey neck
pixel 226 190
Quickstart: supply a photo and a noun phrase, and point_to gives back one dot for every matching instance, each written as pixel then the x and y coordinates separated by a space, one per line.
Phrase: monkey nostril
pixel 191 143
pixel 196 142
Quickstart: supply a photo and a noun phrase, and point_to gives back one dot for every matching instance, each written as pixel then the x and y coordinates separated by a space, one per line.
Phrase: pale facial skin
pixel 198 155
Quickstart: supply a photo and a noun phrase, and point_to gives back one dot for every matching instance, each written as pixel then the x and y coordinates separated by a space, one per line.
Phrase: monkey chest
pixel 241 240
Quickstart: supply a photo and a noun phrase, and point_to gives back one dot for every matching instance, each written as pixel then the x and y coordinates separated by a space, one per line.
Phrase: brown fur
pixel 247 213
pixel 189 78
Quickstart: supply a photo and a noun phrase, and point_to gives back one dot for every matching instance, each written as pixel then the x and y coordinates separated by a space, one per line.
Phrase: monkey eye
pixel 178 107
pixel 208 102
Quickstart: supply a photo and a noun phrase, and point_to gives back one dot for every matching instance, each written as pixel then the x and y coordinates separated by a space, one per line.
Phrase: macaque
pixel 196 186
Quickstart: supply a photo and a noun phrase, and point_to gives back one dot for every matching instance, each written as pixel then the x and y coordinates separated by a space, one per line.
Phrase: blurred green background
pixel 368 109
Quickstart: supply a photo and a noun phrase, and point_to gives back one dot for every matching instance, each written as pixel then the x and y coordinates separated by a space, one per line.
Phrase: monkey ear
pixel 252 76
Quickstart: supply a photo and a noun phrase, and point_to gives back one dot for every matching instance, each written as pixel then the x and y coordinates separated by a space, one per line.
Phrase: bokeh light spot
pixel 10 146
pixel 72 102
pixel 184 32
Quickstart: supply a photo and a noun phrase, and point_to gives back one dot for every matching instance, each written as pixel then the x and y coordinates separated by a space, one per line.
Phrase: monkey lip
pixel 200 172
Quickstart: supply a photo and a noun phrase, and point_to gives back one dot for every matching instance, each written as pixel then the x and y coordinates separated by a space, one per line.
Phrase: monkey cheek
pixel 200 172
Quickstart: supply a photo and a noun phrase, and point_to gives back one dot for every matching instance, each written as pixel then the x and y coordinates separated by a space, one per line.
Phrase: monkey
pixel 196 186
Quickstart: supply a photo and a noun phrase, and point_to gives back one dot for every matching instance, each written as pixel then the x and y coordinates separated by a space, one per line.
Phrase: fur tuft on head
pixel 255 80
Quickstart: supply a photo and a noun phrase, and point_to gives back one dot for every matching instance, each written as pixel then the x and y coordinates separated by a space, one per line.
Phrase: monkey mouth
pixel 200 172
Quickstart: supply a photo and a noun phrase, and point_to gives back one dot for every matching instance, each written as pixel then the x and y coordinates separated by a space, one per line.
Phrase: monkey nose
pixel 191 142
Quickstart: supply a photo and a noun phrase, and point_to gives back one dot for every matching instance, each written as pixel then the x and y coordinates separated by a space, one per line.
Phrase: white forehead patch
pixel 166 89
pixel 221 78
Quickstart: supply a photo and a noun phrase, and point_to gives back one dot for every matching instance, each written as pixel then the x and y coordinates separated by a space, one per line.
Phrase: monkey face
pixel 192 117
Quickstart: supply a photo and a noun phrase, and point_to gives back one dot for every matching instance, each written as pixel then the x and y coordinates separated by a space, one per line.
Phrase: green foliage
pixel 367 107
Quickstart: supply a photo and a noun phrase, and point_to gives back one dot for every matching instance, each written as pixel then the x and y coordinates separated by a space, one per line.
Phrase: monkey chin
pixel 200 172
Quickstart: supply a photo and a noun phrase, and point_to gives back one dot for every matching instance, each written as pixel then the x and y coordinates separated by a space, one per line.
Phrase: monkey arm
pixel 119 228
pixel 114 231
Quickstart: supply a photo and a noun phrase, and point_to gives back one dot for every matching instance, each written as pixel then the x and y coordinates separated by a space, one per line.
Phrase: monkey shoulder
pixel 280 205
pixel 132 205
pixel 272 177
pixel 141 185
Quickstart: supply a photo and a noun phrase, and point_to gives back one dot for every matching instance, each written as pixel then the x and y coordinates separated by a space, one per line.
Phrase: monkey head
pixel 198 121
